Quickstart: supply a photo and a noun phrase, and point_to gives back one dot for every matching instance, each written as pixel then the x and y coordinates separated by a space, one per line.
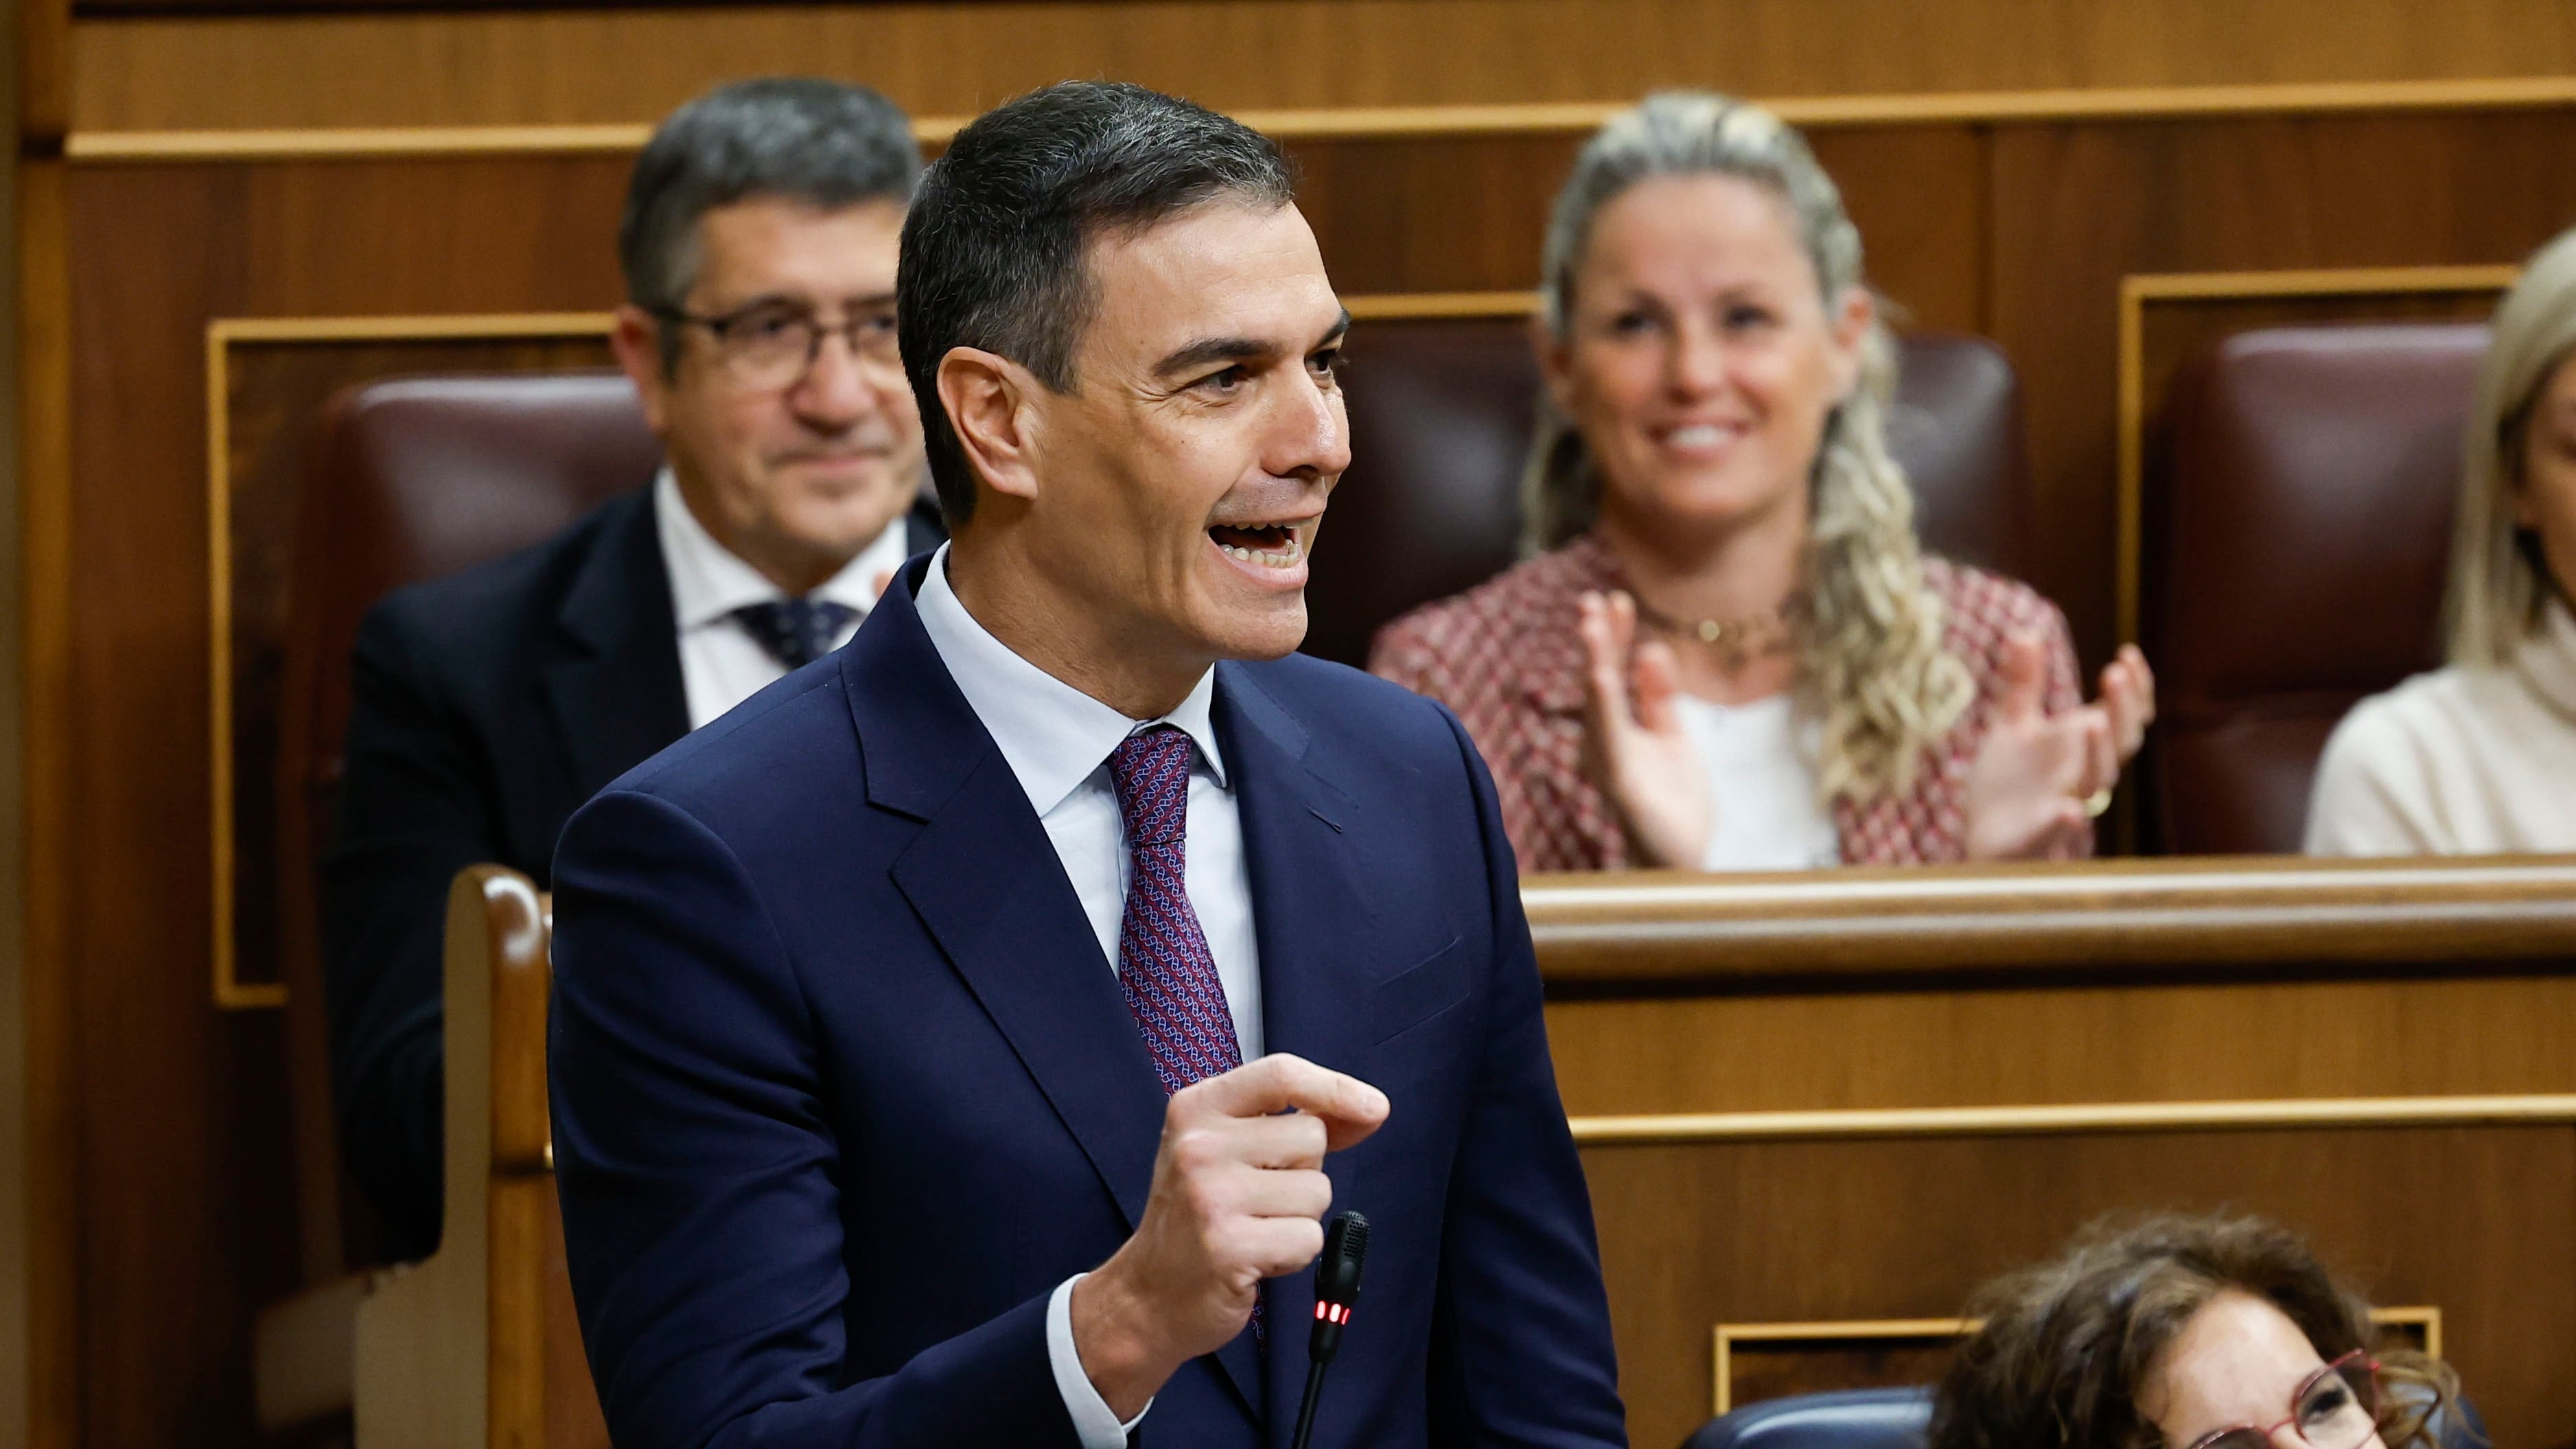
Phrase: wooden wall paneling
pixel 185 1230
pixel 2077 207
pixel 267 385
pixel 1758 1361
pixel 634 65
pixel 185 1187
pixel 1697 1234
pixel 49 1166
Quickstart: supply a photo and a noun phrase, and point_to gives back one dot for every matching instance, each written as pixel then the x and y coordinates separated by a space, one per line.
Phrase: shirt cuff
pixel 1093 1421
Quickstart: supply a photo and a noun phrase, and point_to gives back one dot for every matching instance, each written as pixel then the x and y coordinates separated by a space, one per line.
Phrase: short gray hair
pixel 821 142
pixel 2498 580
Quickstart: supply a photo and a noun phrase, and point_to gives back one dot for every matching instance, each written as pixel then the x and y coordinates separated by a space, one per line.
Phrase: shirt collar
pixel 710 581
pixel 1052 735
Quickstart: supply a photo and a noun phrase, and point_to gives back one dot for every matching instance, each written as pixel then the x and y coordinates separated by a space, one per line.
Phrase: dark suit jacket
pixel 486 706
pixel 843 1087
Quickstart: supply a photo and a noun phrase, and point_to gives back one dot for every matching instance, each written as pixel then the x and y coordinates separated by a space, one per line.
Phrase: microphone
pixel 1337 1287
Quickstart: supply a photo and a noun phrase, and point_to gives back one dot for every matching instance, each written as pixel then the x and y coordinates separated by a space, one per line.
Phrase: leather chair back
pixel 2297 540
pixel 406 480
pixel 1441 417
pixel 1849 1419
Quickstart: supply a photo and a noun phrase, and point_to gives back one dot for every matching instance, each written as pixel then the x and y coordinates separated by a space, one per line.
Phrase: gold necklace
pixel 1765 632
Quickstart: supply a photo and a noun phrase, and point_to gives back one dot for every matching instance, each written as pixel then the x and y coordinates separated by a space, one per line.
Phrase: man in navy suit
pixel 960 1043
pixel 488 705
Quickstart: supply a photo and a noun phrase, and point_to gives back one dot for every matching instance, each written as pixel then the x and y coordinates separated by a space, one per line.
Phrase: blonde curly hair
pixel 1871 666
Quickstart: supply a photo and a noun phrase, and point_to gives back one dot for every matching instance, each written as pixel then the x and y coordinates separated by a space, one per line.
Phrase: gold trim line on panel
pixel 1376 122
pixel 231 993
pixel 2427 1317
pixel 1424 306
pixel 2080 1117
pixel 2139 290
pixel 1731 1334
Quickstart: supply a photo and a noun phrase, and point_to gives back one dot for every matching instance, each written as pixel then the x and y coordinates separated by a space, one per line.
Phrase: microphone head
pixel 1337 1272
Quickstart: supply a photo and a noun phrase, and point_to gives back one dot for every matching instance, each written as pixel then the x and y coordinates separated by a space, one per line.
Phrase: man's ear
pixel 988 399
pixel 1555 364
pixel 637 340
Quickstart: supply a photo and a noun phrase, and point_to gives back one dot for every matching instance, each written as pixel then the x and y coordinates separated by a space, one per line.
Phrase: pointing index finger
pixel 1280 1082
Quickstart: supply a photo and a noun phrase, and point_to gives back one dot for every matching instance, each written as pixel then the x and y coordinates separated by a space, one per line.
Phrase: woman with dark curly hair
pixel 2184 1333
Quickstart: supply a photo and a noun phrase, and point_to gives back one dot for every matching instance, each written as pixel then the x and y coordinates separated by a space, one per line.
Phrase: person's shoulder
pixel 768 751
pixel 1376 734
pixel 1536 592
pixel 500 603
pixel 2375 789
pixel 1982 601
pixel 2389 726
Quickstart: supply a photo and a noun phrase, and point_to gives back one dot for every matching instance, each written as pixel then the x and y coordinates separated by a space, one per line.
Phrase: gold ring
pixel 2100 801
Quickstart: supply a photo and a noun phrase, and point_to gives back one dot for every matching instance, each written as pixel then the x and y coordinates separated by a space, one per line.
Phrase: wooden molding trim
pixel 2426 1318
pixel 2200 915
pixel 2138 292
pixel 1389 122
pixel 1673 1129
pixel 1424 306
pixel 231 993
pixel 1731 1334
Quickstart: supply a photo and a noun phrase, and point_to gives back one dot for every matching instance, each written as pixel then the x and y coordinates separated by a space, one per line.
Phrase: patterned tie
pixel 1164 968
pixel 796 632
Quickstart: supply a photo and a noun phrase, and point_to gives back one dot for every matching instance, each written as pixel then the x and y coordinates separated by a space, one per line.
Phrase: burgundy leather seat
pixel 407 479
pixel 2297 536
pixel 1441 414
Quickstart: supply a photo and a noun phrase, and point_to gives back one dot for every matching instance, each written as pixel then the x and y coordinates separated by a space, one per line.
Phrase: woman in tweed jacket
pixel 1731 654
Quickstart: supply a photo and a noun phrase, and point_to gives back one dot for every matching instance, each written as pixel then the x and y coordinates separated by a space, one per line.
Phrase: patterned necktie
pixel 796 632
pixel 1164 968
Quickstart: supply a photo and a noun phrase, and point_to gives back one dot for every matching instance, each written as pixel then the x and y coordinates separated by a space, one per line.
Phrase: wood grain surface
pixel 573 66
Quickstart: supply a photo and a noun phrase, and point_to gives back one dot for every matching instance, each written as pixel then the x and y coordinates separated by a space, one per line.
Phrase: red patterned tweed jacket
pixel 1505 658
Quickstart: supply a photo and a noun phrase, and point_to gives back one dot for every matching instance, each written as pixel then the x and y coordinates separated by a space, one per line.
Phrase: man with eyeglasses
pixel 759 245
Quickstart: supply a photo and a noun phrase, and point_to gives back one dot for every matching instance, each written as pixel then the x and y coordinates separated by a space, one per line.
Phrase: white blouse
pixel 1761 766
pixel 2469 760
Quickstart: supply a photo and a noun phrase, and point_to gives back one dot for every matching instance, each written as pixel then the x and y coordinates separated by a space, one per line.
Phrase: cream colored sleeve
pixel 2373 794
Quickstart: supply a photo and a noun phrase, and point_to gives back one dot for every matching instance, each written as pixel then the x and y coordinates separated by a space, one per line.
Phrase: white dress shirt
pixel 721 664
pixel 1057 741
pixel 2469 760
pixel 1760 759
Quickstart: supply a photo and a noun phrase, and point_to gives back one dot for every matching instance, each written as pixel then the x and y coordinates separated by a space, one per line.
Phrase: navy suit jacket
pixel 486 706
pixel 843 1087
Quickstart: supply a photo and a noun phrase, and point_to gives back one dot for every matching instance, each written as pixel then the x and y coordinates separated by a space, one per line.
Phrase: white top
pixel 1761 766
pixel 721 664
pixel 1057 740
pixel 2467 760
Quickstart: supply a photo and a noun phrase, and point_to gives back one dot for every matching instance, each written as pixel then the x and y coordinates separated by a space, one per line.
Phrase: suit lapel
pixel 617 693
pixel 1307 909
pixel 988 886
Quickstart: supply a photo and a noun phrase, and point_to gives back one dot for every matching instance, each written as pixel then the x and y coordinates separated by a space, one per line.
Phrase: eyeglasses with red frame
pixel 2337 1407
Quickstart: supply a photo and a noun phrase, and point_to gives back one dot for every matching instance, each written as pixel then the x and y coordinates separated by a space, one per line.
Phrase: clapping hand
pixel 1633 737
pixel 2039 779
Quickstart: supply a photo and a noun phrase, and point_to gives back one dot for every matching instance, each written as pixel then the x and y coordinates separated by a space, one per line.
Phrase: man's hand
pixel 1239 1196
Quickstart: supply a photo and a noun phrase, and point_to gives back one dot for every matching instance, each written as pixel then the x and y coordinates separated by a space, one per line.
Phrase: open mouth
pixel 1272 545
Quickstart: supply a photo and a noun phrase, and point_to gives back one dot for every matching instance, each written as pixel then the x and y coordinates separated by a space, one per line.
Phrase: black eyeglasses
pixel 768 345
pixel 2337 1407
